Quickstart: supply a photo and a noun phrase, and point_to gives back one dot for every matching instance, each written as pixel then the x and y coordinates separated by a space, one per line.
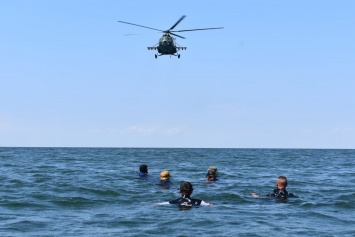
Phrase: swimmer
pixel 214 168
pixel 164 179
pixel 143 170
pixel 185 201
pixel 280 190
pixel 211 175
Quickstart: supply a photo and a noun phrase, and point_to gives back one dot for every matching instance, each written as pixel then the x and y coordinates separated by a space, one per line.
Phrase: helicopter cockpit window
pixel 165 40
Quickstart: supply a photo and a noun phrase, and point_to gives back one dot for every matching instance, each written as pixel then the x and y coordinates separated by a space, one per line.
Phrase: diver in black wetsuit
pixel 143 170
pixel 280 191
pixel 185 201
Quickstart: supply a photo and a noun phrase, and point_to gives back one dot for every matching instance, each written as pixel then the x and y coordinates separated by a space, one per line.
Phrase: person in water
pixel 185 201
pixel 211 175
pixel 214 168
pixel 280 190
pixel 164 179
pixel 143 170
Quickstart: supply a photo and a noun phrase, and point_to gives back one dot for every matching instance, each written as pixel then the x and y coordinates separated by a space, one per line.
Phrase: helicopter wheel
pixel 156 56
pixel 178 55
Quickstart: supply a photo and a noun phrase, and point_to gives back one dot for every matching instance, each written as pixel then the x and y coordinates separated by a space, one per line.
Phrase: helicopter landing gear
pixel 156 56
pixel 178 55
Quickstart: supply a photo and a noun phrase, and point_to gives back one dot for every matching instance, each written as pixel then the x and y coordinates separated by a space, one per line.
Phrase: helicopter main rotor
pixel 170 31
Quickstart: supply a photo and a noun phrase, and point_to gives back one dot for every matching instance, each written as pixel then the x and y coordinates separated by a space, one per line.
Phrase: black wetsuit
pixel 186 202
pixel 280 193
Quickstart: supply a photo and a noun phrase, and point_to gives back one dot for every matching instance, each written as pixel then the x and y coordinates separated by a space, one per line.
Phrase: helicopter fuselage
pixel 166 45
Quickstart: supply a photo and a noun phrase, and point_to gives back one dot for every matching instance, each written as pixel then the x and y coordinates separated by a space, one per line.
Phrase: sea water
pixel 97 192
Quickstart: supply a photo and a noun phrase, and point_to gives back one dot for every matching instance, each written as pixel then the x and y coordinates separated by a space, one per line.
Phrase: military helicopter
pixel 167 44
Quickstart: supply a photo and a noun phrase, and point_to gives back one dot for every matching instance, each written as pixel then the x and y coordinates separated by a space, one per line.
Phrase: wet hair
pixel 211 173
pixel 213 168
pixel 143 168
pixel 282 181
pixel 186 187
pixel 165 175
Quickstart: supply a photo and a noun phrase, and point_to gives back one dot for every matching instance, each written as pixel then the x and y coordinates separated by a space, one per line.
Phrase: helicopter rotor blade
pixel 181 18
pixel 217 28
pixel 142 33
pixel 177 35
pixel 139 26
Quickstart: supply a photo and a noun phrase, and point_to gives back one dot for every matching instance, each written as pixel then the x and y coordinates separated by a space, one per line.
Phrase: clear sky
pixel 281 74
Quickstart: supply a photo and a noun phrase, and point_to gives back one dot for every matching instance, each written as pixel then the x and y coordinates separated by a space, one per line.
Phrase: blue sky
pixel 279 75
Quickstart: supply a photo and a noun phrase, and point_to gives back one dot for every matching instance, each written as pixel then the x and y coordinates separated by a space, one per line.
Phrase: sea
pixel 97 192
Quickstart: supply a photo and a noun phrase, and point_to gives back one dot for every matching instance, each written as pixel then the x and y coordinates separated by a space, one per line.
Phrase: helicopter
pixel 167 44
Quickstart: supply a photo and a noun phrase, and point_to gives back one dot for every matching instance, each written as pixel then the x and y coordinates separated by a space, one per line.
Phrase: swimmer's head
pixel 211 175
pixel 186 188
pixel 164 175
pixel 143 168
pixel 281 182
pixel 214 168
